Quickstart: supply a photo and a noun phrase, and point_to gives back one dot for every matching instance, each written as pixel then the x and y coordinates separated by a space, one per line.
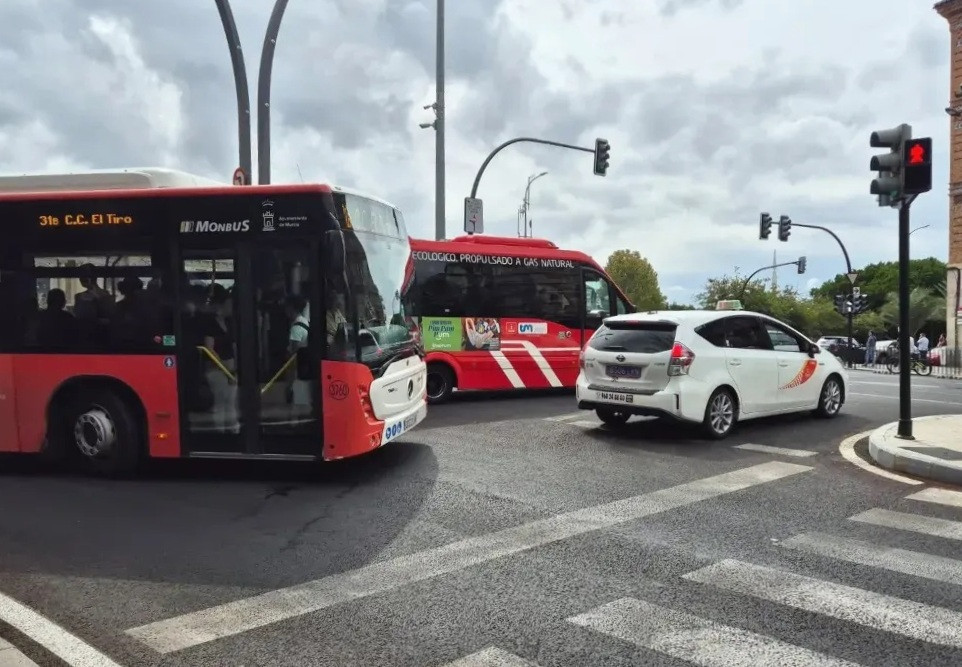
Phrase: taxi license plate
pixel 615 398
pixel 632 372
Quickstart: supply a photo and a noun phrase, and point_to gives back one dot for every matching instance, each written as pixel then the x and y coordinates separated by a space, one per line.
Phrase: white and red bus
pixel 501 313
pixel 153 314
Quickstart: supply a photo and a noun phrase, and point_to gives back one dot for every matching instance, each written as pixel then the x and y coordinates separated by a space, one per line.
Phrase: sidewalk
pixel 935 454
pixel 11 657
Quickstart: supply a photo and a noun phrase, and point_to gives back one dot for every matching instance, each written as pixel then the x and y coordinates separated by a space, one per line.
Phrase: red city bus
pixel 210 351
pixel 502 313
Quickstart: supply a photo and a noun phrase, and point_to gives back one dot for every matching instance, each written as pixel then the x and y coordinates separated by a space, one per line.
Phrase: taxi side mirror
pixel 813 349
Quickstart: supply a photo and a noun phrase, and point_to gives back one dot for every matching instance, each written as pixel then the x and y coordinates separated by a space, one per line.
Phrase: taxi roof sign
pixel 729 304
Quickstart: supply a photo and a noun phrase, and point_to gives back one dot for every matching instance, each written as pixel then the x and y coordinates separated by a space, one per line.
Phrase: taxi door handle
pixel 735 362
pixel 783 364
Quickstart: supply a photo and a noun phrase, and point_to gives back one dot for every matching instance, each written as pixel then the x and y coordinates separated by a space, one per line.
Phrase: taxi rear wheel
pixel 612 417
pixel 721 414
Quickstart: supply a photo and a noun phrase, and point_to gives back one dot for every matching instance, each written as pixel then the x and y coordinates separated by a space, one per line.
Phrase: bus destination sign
pixel 85 220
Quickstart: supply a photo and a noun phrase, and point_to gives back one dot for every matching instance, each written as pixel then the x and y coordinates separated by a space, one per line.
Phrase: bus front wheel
pixel 440 383
pixel 103 435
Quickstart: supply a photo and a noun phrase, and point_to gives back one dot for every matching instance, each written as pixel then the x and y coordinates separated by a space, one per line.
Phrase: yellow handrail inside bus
pixel 217 362
pixel 277 375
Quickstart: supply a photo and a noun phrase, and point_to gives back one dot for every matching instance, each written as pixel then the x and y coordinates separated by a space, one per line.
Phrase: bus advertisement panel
pixel 499 313
pixel 261 322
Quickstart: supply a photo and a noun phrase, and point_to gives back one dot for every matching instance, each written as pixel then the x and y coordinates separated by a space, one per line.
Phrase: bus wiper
pixel 403 354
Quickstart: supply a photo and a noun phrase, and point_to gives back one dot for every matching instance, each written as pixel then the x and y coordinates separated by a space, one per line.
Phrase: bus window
pixel 597 300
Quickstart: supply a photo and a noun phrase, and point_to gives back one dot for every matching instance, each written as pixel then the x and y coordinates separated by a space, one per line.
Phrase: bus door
pixel 248 365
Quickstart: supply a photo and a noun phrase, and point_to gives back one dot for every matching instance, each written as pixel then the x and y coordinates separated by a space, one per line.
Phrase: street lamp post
pixel 918 228
pixel 240 86
pixel 438 126
pixel 264 94
pixel 527 201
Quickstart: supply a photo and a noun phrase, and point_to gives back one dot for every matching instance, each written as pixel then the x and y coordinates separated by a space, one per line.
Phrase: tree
pixel 882 278
pixel 637 278
pixel 925 306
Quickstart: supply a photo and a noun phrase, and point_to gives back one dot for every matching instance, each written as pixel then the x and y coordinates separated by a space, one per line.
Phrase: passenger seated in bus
pixel 130 321
pixel 56 327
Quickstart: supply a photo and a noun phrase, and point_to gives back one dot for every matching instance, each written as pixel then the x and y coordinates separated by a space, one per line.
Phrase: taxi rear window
pixel 637 337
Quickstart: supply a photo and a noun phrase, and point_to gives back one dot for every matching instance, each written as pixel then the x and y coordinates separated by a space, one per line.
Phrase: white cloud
pixel 715 109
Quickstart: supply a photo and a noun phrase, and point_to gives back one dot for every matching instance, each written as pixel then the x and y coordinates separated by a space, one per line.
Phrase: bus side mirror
pixel 334 251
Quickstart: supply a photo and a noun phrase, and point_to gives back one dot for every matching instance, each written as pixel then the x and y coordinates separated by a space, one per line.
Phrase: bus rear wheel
pixel 102 434
pixel 440 383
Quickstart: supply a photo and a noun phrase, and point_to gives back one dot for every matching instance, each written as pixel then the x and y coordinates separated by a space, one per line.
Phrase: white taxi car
pixel 713 367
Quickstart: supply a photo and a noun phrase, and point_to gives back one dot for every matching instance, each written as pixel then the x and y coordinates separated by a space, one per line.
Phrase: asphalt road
pixel 506 529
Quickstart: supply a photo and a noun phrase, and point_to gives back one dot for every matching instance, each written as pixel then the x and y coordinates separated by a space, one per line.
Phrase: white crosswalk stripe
pixel 695 639
pixel 491 657
pixel 876 611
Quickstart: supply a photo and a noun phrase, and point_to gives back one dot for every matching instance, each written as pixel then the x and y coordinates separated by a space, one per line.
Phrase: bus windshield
pixel 379 269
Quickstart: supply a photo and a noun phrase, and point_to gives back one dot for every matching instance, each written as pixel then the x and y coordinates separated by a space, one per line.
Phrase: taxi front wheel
pixel 830 400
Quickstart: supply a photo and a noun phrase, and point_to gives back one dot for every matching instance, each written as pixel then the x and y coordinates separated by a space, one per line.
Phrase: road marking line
pixel 916 523
pixel 72 650
pixel 205 625
pixel 784 451
pixel 695 639
pixel 586 423
pixel 846 603
pixel 934 494
pixel 562 418
pixel 895 385
pixel 903 561
pixel 914 400
pixel 847 449
pixel 491 657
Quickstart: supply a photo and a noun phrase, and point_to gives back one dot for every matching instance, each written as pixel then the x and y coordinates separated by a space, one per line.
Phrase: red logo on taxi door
pixel 803 376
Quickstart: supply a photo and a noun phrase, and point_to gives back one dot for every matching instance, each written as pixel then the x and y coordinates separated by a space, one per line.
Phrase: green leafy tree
pixel 925 306
pixel 637 278
pixel 882 278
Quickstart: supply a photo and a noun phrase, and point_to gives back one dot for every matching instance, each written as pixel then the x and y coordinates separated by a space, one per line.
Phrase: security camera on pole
pixel 903 173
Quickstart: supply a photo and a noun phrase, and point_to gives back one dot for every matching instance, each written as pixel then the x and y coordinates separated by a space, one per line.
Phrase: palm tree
pixel 924 305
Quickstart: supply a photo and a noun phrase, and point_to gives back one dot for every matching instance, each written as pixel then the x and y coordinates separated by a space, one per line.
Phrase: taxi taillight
pixel 681 359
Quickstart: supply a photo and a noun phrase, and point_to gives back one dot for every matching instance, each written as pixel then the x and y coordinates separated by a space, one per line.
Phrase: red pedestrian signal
pixel 917 168
pixel 917 154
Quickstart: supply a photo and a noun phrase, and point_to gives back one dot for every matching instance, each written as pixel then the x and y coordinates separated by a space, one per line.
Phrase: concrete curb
pixel 10 656
pixel 887 451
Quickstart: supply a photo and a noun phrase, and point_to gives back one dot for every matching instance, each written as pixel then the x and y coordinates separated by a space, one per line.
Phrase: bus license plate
pixel 410 421
pixel 632 372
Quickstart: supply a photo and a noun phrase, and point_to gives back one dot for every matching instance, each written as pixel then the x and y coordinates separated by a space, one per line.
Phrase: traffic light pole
pixel 518 140
pixel 757 271
pixel 848 266
pixel 905 359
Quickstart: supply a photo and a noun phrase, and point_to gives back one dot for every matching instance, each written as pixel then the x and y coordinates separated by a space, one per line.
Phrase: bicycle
pixel 918 366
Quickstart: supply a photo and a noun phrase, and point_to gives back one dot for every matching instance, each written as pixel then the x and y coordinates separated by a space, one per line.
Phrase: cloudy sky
pixel 715 109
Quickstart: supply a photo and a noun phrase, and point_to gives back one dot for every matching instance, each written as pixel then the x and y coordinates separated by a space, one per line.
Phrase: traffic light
pixel 917 168
pixel 889 186
pixel 602 153
pixel 802 263
pixel 859 303
pixel 840 304
pixel 784 228
pixel 764 226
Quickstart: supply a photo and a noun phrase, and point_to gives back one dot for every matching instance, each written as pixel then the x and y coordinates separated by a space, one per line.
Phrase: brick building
pixel 951 11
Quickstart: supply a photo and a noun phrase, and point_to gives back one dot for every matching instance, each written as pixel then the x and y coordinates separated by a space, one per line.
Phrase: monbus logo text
pixel 202 226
